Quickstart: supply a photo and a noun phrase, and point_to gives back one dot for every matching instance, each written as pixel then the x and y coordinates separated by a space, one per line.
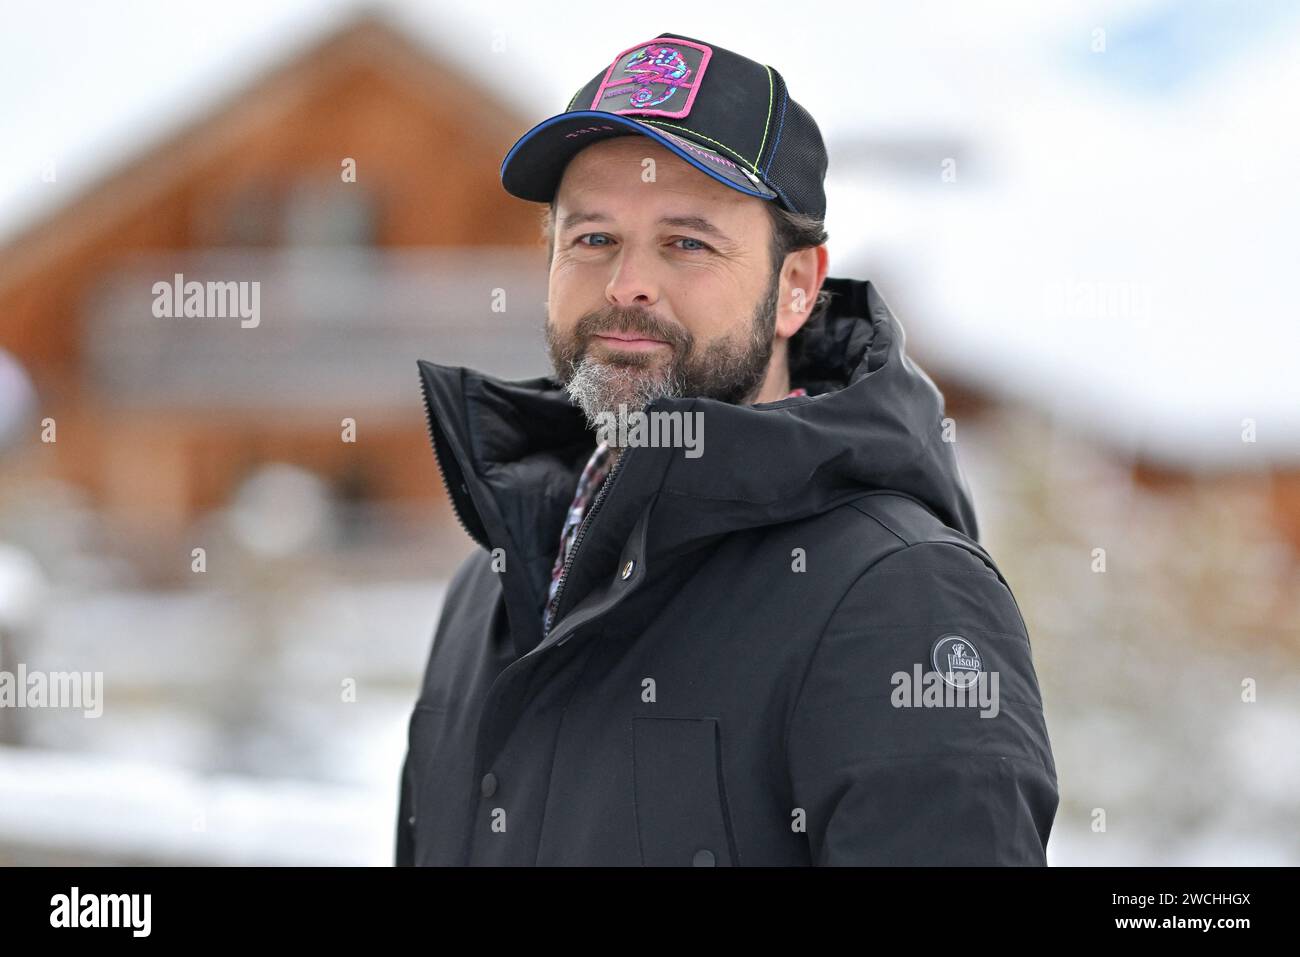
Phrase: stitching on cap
pixel 574 98
pixel 767 124
pixel 779 127
pixel 724 146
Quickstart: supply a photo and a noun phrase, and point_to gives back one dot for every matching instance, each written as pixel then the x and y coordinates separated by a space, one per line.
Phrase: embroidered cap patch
pixel 656 78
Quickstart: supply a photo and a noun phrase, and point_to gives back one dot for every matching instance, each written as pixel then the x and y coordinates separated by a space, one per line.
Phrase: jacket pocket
pixel 682 817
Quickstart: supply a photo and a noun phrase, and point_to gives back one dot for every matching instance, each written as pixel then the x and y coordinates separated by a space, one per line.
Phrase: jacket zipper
pixel 442 471
pixel 582 531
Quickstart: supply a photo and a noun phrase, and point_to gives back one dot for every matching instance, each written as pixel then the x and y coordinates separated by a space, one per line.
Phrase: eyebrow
pixel 698 223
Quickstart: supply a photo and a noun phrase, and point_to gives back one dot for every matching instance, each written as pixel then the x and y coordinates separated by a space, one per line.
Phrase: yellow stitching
pixel 573 99
pixel 703 137
pixel 768 125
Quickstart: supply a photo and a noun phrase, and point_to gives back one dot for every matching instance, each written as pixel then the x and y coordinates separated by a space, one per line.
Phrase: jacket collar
pixel 511 452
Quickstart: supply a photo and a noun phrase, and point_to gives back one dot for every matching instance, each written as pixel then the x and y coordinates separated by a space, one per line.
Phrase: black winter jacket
pixel 730 675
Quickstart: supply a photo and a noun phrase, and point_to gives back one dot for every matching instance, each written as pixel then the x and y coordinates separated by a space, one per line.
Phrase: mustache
pixel 631 322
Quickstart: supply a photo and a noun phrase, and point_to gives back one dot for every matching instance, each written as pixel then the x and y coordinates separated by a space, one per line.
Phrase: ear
pixel 802 275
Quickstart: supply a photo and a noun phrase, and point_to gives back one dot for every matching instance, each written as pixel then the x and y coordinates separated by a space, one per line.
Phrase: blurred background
pixel 1083 213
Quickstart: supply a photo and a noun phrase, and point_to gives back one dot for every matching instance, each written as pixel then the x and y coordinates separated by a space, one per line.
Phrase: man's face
pixel 661 281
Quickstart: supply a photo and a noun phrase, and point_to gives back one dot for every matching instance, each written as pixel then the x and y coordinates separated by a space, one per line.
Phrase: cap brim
pixel 535 164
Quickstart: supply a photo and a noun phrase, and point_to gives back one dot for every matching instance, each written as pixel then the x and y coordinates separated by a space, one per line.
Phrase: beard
pixel 731 369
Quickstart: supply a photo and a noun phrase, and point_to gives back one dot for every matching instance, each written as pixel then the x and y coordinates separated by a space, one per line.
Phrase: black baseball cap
pixel 723 113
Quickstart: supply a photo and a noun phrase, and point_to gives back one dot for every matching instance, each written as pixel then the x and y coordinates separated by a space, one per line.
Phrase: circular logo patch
pixel 957 661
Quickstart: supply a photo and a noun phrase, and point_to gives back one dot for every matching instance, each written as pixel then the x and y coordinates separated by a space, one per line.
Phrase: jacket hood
pixel 511 452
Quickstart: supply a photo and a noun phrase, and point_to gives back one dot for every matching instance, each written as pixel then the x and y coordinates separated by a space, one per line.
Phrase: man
pixel 743 646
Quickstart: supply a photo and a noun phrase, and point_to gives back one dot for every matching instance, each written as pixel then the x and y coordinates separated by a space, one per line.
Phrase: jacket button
pixel 627 569
pixel 703 858
pixel 411 820
pixel 488 787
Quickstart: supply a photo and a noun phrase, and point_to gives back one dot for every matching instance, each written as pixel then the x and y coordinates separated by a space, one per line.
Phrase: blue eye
pixel 582 241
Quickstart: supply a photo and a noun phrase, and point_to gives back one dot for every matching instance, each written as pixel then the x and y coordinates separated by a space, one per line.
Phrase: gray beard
pixel 598 387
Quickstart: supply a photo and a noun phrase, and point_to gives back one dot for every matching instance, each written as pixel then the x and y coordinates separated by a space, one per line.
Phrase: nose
pixel 633 282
